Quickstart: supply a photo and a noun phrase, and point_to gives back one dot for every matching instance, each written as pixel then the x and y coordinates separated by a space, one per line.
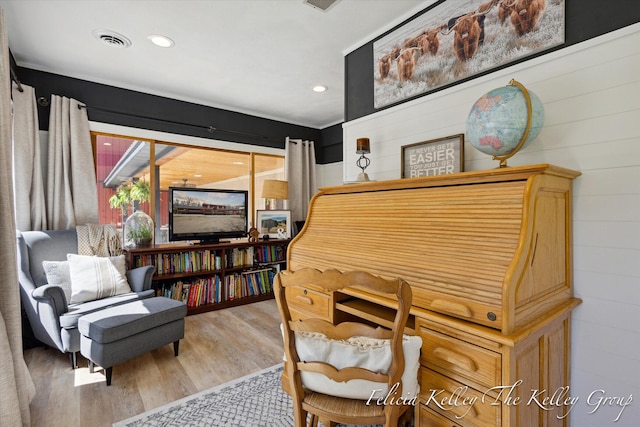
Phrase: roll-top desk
pixel 488 256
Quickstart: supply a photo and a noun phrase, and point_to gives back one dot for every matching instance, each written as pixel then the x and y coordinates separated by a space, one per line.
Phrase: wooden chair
pixel 329 407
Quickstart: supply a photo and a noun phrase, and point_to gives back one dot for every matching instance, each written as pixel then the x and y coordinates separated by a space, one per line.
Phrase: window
pixel 265 167
pixel 123 163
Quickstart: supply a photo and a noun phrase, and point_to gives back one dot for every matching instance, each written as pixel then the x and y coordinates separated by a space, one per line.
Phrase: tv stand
pixel 209 276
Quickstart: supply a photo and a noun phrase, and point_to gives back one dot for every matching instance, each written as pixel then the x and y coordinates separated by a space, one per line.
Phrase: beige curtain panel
pixel 16 386
pixel 72 197
pixel 30 208
pixel 300 172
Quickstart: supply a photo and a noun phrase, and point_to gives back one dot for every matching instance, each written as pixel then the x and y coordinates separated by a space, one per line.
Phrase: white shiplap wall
pixel 591 96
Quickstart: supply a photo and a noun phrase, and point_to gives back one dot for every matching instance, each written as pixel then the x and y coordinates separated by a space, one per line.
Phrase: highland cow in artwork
pixel 457 39
pixel 525 14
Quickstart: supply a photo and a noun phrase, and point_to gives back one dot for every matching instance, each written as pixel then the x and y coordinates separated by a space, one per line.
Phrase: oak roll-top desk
pixel 488 257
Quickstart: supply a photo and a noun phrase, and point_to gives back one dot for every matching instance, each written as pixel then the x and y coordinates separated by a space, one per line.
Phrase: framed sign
pixel 275 224
pixel 435 157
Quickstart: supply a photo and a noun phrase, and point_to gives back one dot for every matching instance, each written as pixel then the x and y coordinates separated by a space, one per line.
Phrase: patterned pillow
pixel 58 274
pixel 95 278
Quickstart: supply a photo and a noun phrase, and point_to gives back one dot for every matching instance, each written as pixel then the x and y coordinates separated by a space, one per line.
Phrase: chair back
pixel 301 371
pixel 48 245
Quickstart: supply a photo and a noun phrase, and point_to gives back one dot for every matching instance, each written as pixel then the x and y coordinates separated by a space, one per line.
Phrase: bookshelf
pixel 213 276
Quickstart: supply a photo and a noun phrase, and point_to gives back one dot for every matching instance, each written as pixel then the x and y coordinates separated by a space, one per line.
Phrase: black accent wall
pixel 584 19
pixel 144 111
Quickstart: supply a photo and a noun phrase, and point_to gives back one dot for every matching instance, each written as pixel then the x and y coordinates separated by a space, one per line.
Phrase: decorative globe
pixel 502 121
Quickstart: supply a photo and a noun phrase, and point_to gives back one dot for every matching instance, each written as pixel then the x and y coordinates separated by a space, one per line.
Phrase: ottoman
pixel 111 336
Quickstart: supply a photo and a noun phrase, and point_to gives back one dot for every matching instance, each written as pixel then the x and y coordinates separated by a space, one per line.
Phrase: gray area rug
pixel 256 400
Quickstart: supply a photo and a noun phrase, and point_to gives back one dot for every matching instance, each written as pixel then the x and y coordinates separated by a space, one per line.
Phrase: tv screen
pixel 207 214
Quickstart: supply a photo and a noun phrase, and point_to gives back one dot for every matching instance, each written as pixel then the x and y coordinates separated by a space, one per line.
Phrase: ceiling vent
pixel 111 38
pixel 323 5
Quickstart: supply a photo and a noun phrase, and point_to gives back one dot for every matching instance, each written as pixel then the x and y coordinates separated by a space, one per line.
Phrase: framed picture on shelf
pixel 434 157
pixel 274 223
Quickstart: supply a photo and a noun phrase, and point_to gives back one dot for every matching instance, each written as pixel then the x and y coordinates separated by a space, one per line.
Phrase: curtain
pixel 16 386
pixel 30 209
pixel 300 172
pixel 72 196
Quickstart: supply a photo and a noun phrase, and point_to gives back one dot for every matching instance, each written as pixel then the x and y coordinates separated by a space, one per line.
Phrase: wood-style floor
pixel 219 346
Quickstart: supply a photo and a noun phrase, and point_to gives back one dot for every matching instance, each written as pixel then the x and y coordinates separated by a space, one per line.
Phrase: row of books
pixel 181 262
pixel 238 257
pixel 271 253
pixel 213 290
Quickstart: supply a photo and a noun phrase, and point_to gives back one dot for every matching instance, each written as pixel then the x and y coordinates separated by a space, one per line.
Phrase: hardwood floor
pixel 219 346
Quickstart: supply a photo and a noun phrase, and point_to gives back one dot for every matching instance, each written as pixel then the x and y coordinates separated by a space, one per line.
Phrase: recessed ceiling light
pixel 106 143
pixel 319 88
pixel 162 41
pixel 197 175
pixel 238 163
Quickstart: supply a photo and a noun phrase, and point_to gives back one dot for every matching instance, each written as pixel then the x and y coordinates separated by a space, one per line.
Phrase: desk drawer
pixel 428 418
pixel 460 357
pixel 457 402
pixel 308 301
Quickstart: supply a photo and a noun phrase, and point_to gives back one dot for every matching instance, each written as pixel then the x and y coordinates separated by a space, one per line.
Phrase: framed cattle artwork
pixel 455 40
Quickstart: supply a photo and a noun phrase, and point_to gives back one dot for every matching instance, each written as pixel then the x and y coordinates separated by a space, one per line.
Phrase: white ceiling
pixel 259 57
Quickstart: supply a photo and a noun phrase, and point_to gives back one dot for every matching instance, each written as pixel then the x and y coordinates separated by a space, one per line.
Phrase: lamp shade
pixel 362 146
pixel 275 189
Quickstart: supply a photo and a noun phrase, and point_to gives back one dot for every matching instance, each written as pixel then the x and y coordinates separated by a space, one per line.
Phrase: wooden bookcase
pixel 213 276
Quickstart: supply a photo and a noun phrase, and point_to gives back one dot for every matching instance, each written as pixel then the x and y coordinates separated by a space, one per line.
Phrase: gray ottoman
pixel 111 336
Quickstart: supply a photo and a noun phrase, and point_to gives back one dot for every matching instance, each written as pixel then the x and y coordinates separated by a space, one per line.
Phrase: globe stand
pixel 525 92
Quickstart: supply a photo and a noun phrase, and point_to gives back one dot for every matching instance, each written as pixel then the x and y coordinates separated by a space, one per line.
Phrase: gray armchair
pixel 53 321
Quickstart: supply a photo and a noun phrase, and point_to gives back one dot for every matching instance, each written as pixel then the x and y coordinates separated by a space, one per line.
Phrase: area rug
pixel 256 400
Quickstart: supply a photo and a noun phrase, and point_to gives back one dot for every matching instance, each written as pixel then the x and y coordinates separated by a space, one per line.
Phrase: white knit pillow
pixel 368 353
pixel 58 274
pixel 96 277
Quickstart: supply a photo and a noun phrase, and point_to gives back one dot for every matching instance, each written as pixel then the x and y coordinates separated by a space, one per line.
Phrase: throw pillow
pixel 95 278
pixel 58 274
pixel 372 354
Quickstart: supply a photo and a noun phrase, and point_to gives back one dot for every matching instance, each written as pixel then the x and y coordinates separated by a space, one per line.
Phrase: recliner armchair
pixel 55 322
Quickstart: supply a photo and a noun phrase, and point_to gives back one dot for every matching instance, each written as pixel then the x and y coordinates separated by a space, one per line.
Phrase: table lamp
pixel 274 191
pixel 362 148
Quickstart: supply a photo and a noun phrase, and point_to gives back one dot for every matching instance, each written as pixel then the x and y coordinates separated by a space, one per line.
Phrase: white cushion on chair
pixel 372 354
pixel 95 277
pixel 58 274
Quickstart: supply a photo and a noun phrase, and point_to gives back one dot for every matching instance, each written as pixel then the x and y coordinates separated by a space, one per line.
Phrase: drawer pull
pixel 451 307
pixel 455 358
pixel 304 299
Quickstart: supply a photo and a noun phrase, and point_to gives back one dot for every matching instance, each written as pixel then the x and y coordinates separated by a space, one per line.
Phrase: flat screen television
pixel 207 214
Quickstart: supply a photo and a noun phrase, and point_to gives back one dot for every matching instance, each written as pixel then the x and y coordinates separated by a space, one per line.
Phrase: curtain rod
pixel 14 77
pixel 210 129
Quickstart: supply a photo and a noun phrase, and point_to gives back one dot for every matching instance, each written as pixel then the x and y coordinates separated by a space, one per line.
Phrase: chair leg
pixel 405 418
pixel 299 416
pixel 73 358
pixel 108 372
pixel 91 369
pixel 176 345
